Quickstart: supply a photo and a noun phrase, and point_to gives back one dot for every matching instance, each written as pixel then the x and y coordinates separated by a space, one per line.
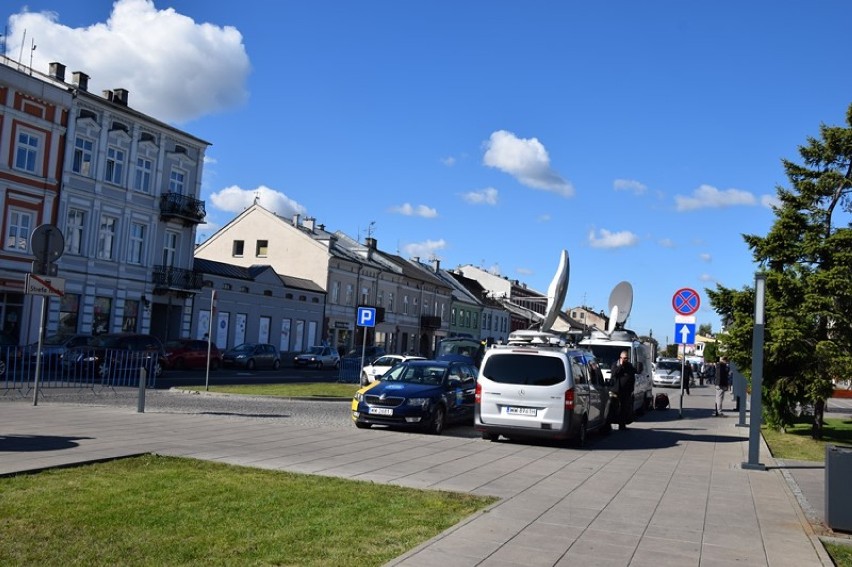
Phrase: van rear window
pixel 528 370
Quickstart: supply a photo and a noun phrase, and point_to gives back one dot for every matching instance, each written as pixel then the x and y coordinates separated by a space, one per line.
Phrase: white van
pixel 538 387
pixel 608 346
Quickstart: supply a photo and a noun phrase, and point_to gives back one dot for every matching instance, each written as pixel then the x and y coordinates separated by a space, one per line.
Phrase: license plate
pixel 521 411
pixel 381 411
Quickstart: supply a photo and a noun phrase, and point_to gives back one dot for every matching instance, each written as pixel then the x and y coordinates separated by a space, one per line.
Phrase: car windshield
pixel 315 350
pixel 416 374
pixel 172 345
pixel 668 365
pixel 55 340
pixel 106 341
pixel 245 347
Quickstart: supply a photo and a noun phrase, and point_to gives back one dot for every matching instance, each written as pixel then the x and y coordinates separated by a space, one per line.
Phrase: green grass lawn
pixel 296 390
pixel 796 443
pixel 154 510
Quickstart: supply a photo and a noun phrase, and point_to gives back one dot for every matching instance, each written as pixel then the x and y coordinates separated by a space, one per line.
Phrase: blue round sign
pixel 686 301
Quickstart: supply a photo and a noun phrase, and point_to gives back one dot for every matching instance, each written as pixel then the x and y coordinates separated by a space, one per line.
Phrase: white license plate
pixel 381 411
pixel 521 411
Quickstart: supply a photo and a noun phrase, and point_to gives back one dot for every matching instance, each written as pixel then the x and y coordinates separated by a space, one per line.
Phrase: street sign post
pixel 685 334
pixel 686 301
pixel 366 318
pixel 43 285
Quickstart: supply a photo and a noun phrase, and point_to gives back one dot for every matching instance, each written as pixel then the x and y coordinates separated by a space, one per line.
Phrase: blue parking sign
pixel 366 317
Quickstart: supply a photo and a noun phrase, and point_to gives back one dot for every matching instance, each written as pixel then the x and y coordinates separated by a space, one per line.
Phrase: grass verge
pixel 295 390
pixel 154 510
pixel 841 554
pixel 796 443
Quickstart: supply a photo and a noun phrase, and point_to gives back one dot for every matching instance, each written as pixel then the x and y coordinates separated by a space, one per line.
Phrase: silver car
pixel 667 372
pixel 318 356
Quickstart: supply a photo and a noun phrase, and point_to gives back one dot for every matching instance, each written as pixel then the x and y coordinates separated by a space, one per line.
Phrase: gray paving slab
pixel 668 491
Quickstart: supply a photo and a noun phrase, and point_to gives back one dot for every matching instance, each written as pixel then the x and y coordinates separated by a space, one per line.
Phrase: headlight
pixel 240 356
pixel 424 402
pixel 359 396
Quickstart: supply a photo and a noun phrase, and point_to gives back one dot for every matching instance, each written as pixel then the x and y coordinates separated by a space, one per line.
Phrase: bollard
pixel 143 379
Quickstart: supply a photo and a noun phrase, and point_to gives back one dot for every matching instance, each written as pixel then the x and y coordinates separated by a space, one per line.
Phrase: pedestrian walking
pixel 686 377
pixel 722 381
pixel 624 381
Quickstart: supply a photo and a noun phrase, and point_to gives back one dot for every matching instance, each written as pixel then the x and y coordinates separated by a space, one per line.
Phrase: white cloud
pixel 770 201
pixel 666 243
pixel 487 196
pixel 707 278
pixel 629 185
pixel 209 160
pixel 524 271
pixel 449 161
pixel 424 249
pixel 526 160
pixel 607 239
pixel 706 257
pixel 174 68
pixel 234 199
pixel 544 217
pixel 409 210
pixel 706 197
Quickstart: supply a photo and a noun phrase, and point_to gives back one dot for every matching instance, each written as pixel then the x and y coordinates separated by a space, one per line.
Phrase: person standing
pixel 722 372
pixel 686 377
pixel 624 381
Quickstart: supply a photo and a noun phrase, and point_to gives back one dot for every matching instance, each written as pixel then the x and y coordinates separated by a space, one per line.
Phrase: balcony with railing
pixel 169 278
pixel 188 209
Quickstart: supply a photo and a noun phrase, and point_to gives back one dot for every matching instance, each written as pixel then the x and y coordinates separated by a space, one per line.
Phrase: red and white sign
pixel 44 285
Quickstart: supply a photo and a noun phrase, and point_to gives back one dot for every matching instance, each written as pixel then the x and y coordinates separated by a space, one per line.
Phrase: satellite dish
pixel 556 292
pixel 620 304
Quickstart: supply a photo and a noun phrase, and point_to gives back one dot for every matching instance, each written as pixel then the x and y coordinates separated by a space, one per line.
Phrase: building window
pixel 315 300
pixel 227 286
pixel 405 305
pixel 238 247
pixel 380 298
pixel 453 316
pixel 390 302
pixel 106 237
pixel 350 292
pixel 170 248
pixel 142 181
pixel 288 295
pixel 244 289
pixel 114 166
pixel 75 229
pixel 20 225
pixel 365 294
pixel 83 151
pixel 103 309
pixel 262 248
pixel 267 292
pixel 176 181
pixel 69 309
pixel 136 246
pixel 130 320
pixel 26 152
pixel 335 293
pixel 475 322
pixel 303 298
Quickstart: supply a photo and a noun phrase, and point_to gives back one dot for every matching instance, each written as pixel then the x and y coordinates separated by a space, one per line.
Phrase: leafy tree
pixel 705 330
pixel 807 258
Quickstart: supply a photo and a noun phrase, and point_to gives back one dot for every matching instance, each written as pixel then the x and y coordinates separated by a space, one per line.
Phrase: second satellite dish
pixel 556 292
pixel 620 304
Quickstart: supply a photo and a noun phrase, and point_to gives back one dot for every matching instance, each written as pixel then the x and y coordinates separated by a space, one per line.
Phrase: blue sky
pixel 643 137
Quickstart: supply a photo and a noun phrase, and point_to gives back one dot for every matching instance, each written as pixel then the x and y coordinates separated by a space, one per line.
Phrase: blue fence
pixel 83 370
pixel 350 370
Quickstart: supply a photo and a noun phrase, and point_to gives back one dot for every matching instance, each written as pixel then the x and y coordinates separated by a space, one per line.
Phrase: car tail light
pixel 569 399
pixel 478 395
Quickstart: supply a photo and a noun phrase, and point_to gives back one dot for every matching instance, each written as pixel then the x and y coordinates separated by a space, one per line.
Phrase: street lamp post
pixel 756 411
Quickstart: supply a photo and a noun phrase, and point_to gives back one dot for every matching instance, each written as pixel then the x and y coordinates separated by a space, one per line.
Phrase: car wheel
pixel 488 436
pixel 436 427
pixel 276 364
pixel 250 364
pixel 2 368
pixel 580 439
pixel 337 365
pixel 360 425
pixel 158 370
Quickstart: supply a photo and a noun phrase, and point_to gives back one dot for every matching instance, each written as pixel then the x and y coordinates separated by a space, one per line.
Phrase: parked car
pixel 115 355
pixel 191 353
pixel 667 372
pixel 8 351
pixel 252 356
pixel 318 356
pixel 378 367
pixel 54 347
pixel 419 394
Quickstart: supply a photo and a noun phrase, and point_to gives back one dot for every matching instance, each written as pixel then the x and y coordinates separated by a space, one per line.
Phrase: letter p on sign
pixel 366 316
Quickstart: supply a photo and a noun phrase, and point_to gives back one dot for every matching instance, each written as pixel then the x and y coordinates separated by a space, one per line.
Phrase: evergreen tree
pixel 807 258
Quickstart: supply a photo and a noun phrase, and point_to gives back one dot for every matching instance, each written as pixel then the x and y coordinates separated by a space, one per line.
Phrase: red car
pixel 188 353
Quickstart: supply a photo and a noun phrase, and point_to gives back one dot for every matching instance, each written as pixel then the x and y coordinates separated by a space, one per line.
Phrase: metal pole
pixel 210 336
pixel 38 352
pixel 682 378
pixel 756 411
pixel 363 353
pixel 143 379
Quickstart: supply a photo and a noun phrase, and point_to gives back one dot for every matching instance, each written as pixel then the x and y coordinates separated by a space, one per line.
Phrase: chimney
pixel 321 227
pixel 120 96
pixel 436 263
pixel 107 94
pixel 296 219
pixel 81 80
pixel 370 242
pixel 415 259
pixel 57 71
pixel 310 223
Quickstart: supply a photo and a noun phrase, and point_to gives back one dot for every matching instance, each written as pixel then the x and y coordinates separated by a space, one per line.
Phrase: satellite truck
pixel 607 345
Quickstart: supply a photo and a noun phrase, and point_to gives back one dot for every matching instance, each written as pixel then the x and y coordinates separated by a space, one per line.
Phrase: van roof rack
pixel 535 337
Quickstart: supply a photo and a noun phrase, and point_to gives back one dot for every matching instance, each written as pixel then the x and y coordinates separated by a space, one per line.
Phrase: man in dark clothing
pixel 687 375
pixel 722 372
pixel 623 382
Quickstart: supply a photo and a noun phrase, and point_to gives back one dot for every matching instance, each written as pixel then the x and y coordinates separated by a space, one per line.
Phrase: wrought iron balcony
pixel 188 209
pixel 170 278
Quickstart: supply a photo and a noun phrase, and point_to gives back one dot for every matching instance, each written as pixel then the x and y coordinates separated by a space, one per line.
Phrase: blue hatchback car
pixel 419 394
